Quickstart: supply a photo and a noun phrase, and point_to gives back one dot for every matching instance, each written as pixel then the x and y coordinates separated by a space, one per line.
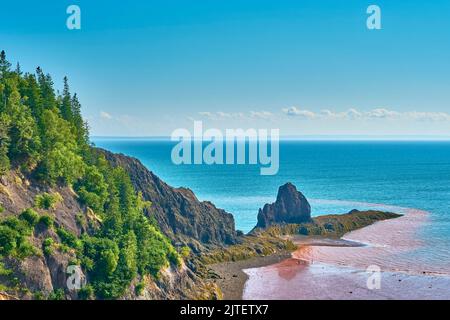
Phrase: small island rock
pixel 291 206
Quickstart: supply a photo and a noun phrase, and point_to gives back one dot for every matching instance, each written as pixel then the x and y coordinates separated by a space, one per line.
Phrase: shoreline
pixel 324 272
pixel 231 277
pixel 335 268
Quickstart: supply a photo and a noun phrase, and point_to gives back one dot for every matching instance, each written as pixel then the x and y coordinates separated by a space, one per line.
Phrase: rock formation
pixel 291 206
pixel 180 215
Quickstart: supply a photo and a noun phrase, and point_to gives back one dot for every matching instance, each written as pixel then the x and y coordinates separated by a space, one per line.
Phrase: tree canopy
pixel 43 134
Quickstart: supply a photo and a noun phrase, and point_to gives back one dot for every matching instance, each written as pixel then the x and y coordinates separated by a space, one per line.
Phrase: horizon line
pixel 306 137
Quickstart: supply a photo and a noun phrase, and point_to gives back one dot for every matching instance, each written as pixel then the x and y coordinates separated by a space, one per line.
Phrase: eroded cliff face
pixel 291 207
pixel 180 215
pixel 39 273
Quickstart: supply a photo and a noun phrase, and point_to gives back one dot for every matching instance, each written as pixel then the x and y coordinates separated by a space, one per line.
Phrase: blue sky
pixel 144 68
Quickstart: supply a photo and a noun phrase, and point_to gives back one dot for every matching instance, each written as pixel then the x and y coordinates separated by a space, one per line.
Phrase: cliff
pixel 42 273
pixel 179 214
pixel 291 206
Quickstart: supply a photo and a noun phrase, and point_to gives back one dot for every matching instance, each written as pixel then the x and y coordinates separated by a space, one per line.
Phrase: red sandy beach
pixel 336 269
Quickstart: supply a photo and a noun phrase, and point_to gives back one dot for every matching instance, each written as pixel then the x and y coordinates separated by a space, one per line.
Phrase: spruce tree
pixel 18 69
pixel 5 65
pixel 47 91
pixel 81 126
pixel 66 103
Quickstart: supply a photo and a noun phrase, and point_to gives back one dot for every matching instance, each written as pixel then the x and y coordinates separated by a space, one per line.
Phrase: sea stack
pixel 291 206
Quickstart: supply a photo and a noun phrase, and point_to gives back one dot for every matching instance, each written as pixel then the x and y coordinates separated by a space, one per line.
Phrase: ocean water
pixel 336 176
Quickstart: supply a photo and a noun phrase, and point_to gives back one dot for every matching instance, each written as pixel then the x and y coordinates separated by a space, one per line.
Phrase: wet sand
pixel 336 269
pixel 296 280
pixel 231 278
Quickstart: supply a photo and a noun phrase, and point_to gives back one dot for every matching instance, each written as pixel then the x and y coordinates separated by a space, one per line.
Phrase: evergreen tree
pixel 5 65
pixel 66 102
pixel 32 92
pixel 46 88
pixel 81 126
pixel 18 69
pixel 23 131
pixel 4 143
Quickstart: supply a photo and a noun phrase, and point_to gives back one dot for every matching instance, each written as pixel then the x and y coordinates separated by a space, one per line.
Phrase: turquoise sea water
pixel 336 176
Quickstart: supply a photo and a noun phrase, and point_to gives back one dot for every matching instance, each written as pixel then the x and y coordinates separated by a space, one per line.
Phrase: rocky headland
pixel 283 226
pixel 217 253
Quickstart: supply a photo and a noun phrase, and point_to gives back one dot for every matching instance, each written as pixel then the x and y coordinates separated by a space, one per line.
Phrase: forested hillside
pixel 44 140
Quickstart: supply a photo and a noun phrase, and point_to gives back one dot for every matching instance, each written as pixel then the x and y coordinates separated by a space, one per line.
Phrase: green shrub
pixel 64 248
pixel 47 246
pixel 8 238
pixel 4 271
pixel 86 293
pixel 30 216
pixel 92 189
pixel 14 243
pixel 1 209
pixel 57 294
pixel 105 253
pixel 139 288
pixel 19 225
pixel 47 201
pixel 174 257
pixel 38 295
pixel 185 251
pixel 47 221
pixel 69 239
pixel 25 249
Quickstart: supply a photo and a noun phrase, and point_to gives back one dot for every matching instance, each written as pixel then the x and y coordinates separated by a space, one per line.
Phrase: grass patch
pixel 332 226
pixel 251 246
pixel 47 200
pixel 263 242
pixel 30 216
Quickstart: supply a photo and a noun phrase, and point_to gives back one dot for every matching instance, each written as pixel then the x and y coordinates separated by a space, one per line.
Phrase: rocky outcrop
pixel 42 274
pixel 177 211
pixel 180 215
pixel 291 206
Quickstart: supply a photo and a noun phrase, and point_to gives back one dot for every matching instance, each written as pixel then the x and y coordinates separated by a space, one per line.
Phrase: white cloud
pixel 294 111
pixel 332 117
pixel 261 114
pixel 235 115
pixel 353 114
pixel 377 113
pixel 428 116
pixel 105 115
pixel 220 115
pixel 382 113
